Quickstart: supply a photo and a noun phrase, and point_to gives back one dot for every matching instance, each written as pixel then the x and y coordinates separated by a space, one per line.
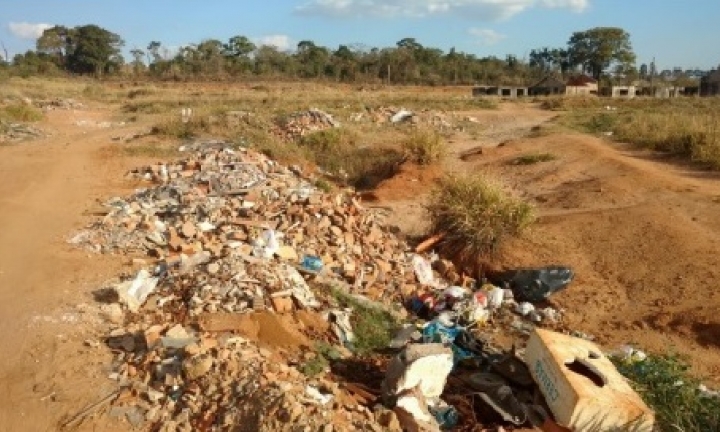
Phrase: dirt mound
pixel 410 182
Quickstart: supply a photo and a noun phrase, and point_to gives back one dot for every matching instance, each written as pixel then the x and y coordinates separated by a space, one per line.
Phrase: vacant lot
pixel 640 228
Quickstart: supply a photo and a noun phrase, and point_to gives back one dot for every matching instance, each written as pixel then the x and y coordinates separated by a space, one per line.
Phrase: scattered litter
pixel 133 293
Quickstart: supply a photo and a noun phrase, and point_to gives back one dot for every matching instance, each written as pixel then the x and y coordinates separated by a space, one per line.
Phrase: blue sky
pixel 675 32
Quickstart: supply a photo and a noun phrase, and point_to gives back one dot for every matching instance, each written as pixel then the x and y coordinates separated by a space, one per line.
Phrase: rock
pixel 112 312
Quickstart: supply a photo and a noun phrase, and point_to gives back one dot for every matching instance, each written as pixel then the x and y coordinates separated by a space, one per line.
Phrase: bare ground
pixel 46 372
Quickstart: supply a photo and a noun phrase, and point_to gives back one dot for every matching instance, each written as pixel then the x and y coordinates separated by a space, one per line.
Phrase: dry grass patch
pixel 424 146
pixel 683 126
pixel 20 112
pixel 475 215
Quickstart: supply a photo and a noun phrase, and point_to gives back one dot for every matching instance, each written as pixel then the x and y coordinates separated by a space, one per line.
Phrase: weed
pixel 20 112
pixel 324 354
pixel 373 327
pixel 424 147
pixel 533 158
pixel 314 366
pixel 475 215
pixel 668 388
pixel 323 185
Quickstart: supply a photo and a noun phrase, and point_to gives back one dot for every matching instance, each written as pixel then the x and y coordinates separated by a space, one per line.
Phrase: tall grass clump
pixel 424 146
pixel 666 385
pixel 475 216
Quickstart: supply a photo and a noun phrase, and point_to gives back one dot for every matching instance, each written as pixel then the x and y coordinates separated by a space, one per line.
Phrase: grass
pixel 20 112
pixel 686 127
pixel 340 151
pixel 668 388
pixel 174 127
pixel 424 146
pixel 533 158
pixel 476 215
pixel 149 150
pixel 373 327
pixel 324 354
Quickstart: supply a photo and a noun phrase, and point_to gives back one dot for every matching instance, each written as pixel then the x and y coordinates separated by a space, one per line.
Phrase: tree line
pixel 93 50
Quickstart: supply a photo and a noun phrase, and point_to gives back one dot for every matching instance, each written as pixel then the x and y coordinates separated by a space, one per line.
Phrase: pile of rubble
pixel 230 233
pixel 229 241
pixel 58 104
pixel 396 115
pixel 299 124
pixel 13 132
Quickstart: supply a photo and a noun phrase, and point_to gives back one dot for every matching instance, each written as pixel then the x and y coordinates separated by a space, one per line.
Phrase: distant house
pixel 501 91
pixel 547 86
pixel 621 91
pixel 581 85
pixel 710 84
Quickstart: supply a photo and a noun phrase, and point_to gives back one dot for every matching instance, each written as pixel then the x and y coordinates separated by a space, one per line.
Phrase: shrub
pixel 667 387
pixel 424 147
pixel 475 216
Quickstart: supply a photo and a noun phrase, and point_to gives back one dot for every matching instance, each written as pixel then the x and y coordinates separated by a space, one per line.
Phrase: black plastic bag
pixel 534 284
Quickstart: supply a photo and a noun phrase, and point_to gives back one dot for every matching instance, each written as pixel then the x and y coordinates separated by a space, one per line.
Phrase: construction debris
pixel 581 385
pixel 58 104
pixel 301 123
pixel 230 244
pixel 13 132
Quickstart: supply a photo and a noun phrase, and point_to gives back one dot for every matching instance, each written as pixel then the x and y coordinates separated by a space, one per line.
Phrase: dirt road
pixel 45 186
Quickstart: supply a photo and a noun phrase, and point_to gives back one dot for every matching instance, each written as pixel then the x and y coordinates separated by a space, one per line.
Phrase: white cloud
pixel 486 36
pixel 26 30
pixel 279 41
pixel 485 10
pixel 574 5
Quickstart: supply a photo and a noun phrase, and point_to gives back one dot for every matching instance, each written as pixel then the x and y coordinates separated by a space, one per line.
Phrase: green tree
pixel 598 48
pixel 237 52
pixel 313 59
pixel 92 49
pixel 55 41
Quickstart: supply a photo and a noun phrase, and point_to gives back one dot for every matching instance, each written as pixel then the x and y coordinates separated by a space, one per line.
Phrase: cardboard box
pixel 582 387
